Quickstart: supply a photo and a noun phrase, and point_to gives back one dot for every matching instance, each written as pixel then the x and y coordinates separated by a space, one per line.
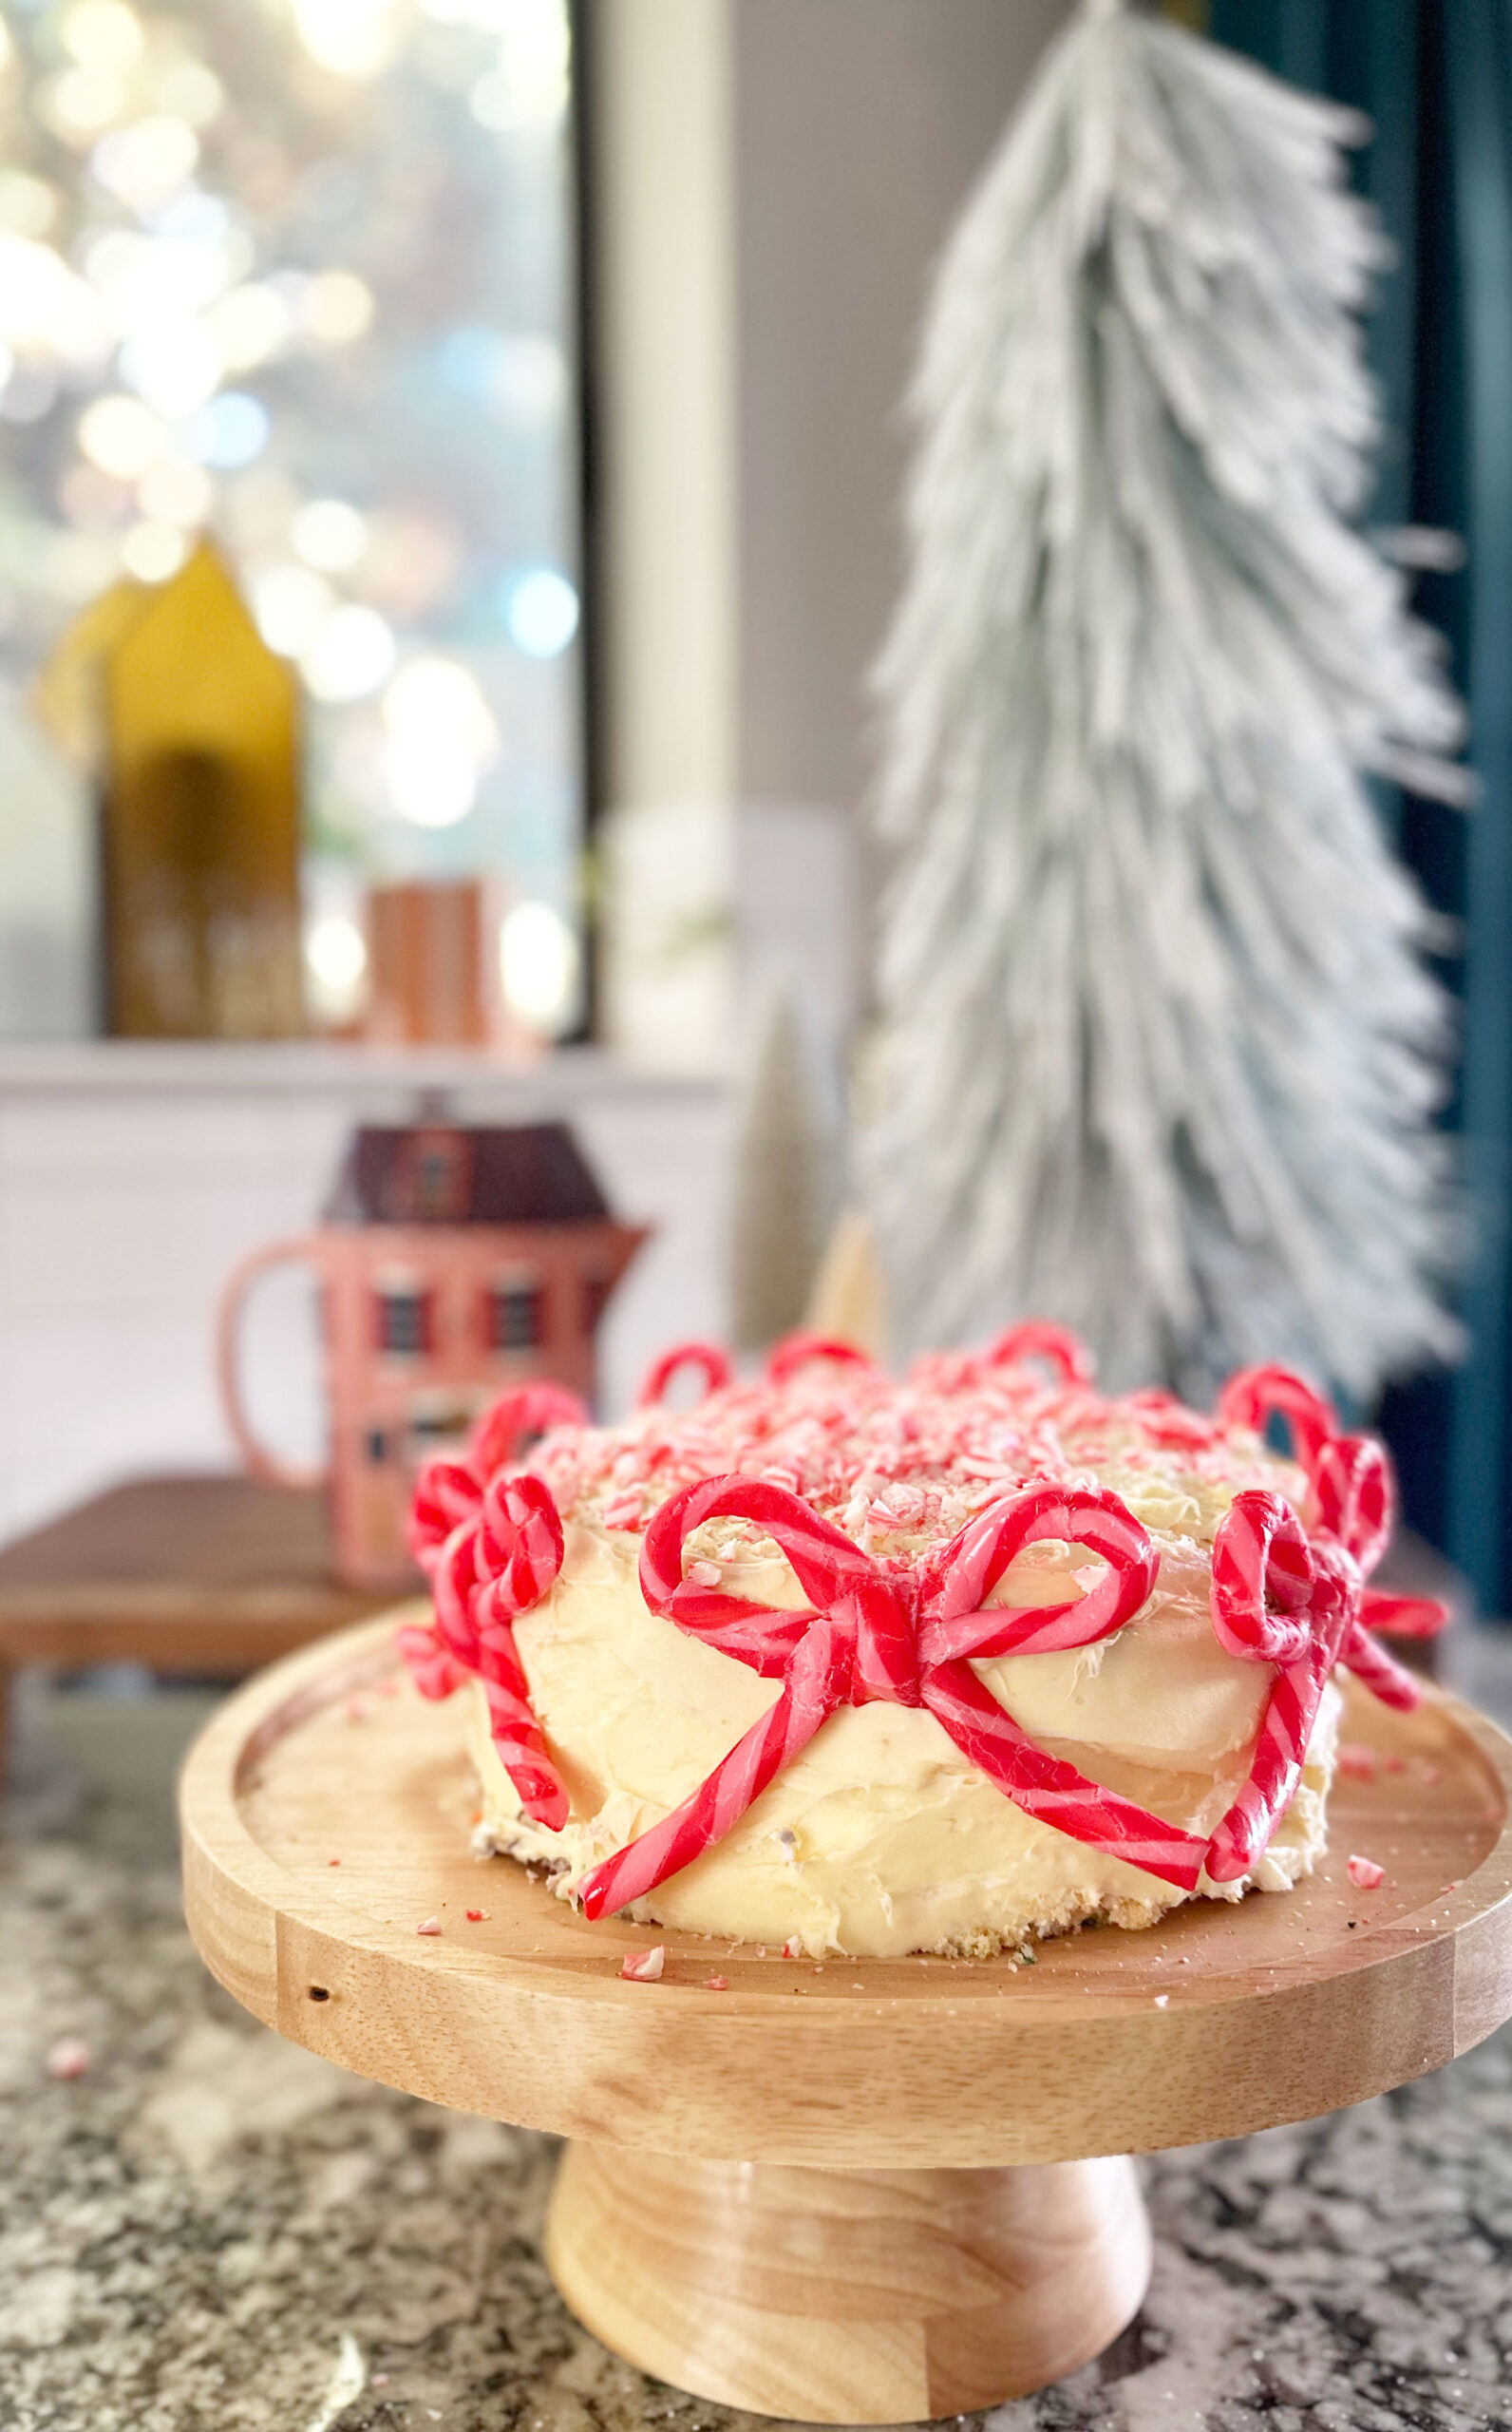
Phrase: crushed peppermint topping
pixel 644 1967
pixel 900 1467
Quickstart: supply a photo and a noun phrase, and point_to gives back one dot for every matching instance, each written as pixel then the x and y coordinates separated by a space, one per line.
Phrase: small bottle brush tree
pixel 783 1184
pixel 1157 1056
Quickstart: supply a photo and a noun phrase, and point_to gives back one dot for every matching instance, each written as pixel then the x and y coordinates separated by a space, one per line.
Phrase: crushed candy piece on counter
pixel 1365 1874
pixel 431 1925
pixel 68 2056
pixel 644 1967
pixel 1356 1762
pixel 716 1984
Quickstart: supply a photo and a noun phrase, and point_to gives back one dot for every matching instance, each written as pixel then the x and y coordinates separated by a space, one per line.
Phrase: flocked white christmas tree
pixel 1158 1054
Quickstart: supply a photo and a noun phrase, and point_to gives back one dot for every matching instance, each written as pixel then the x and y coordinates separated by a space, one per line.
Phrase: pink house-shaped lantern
pixel 454 1262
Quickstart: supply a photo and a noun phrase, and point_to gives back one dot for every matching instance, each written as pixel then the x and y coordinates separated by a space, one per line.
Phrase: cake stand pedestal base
pixel 848 2296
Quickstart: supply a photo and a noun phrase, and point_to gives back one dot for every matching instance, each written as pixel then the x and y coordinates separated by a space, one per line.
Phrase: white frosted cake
pixel 850 1666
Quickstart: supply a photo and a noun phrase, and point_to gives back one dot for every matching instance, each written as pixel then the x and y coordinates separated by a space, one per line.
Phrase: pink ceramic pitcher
pixel 429 1310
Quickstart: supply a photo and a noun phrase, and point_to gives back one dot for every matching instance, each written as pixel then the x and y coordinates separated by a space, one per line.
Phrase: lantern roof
pixel 449 1173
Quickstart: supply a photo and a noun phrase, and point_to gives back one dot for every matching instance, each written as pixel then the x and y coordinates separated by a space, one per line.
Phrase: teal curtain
pixel 1435 79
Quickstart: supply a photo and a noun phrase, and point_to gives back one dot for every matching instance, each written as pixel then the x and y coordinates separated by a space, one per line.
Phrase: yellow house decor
pixel 190 724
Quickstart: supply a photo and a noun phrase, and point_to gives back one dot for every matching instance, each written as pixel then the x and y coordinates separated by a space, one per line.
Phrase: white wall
pixel 664 331
pixel 774 179
pixel 859 128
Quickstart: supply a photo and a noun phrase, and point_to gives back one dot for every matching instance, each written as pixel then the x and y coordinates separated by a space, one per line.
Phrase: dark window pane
pixel 403 1322
pixel 517 1317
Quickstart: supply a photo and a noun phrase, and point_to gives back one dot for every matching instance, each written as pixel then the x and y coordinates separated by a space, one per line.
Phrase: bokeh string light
pixel 295 276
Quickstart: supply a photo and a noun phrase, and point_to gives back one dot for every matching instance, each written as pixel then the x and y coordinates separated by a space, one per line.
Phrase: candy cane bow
pixel 1355 1499
pixel 490 1570
pixel 448 1491
pixel 492 1544
pixel 876 1635
pixel 1279 1598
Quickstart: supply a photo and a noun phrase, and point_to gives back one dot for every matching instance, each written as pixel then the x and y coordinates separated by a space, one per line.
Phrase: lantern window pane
pixel 517 1315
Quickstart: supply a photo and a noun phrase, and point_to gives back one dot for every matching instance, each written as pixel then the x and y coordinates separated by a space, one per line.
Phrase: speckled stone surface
pixel 213 2230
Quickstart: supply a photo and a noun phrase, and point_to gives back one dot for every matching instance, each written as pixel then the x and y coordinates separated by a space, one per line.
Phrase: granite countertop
pixel 212 2231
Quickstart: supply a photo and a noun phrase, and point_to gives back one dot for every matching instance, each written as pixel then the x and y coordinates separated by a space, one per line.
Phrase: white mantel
pixel 567 1077
pixel 134 1175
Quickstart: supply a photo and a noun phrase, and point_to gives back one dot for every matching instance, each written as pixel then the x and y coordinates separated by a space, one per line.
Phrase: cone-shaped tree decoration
pixel 1158 1054
pixel 784 1181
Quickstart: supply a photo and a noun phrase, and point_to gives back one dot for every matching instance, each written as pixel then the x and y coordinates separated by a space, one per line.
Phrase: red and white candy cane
pixel 518 1551
pixel 1255 1396
pixel 795 1350
pixel 492 1568
pixel 492 1544
pixel 1355 1495
pixel 435 1672
pixel 853 1644
pixel 955 1619
pixel 448 1491
pixel 1277 1598
pixel 1263 1577
pixel 708 1356
pixel 1353 1487
pixel 875 1636
pixel 1056 1346
pixel 956 1625
pixel 517 1556
pixel 517 1418
pixel 1404 1616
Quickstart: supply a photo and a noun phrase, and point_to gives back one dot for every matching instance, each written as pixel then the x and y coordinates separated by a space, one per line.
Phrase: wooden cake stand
pixel 870 2192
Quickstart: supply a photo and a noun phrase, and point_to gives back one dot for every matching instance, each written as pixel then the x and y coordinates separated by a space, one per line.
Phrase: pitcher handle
pixel 260 1462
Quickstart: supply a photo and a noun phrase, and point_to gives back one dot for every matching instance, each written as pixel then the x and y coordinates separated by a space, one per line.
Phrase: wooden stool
pixel 209 1576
